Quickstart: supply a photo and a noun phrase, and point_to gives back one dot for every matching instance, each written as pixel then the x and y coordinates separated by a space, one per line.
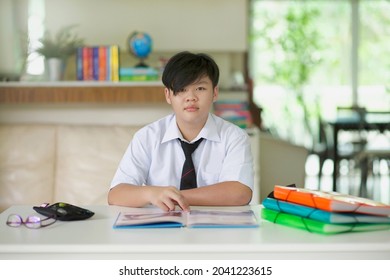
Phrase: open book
pixel 193 219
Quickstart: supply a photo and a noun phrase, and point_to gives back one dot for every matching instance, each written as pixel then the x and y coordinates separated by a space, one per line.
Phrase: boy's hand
pixel 167 198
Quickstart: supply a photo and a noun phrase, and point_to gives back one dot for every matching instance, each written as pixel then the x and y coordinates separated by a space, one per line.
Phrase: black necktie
pixel 188 175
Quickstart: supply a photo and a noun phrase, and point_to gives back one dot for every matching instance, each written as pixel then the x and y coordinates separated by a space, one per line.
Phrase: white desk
pixel 96 239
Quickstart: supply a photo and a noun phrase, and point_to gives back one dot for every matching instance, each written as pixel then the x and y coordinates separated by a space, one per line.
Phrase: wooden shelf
pixel 82 92
pixel 93 93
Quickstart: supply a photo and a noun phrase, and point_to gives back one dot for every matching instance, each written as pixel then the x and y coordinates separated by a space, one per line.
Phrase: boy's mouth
pixel 191 108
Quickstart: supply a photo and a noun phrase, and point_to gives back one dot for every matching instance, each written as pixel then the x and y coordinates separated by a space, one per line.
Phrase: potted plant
pixel 57 49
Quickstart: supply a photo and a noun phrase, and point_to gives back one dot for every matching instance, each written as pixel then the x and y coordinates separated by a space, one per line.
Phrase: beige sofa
pixel 51 163
pixel 75 163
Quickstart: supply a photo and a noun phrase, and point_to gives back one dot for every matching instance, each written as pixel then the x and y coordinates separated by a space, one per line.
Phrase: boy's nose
pixel 190 95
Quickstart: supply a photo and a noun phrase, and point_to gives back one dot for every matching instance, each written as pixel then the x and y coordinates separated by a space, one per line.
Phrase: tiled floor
pixel 378 186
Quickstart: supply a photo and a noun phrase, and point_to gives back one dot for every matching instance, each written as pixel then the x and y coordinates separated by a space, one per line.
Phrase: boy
pixel 151 170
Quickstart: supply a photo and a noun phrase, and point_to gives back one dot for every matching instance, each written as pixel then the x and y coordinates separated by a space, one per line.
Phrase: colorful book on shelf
pixel 321 215
pixel 235 111
pixel 108 64
pixel 114 62
pixel 231 104
pixel 331 201
pixel 138 74
pixel 102 76
pixel 192 219
pixel 97 63
pixel 317 226
pixel 79 64
pixel 87 64
pixel 135 71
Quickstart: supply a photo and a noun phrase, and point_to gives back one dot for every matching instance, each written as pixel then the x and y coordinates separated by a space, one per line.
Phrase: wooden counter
pixel 82 92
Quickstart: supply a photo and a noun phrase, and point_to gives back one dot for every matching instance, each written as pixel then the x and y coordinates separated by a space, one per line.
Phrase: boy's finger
pixel 183 204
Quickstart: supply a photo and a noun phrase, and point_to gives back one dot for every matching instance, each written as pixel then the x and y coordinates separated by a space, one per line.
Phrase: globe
pixel 140 45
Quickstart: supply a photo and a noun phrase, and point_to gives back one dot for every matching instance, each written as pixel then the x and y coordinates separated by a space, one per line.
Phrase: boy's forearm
pixel 127 195
pixel 231 193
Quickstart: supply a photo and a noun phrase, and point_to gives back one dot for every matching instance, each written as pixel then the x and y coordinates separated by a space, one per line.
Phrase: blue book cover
pixel 321 215
pixel 134 71
pixel 79 64
pixel 95 63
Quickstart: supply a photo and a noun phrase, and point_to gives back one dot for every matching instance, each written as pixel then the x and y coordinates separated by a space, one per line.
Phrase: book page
pixel 221 218
pixel 132 219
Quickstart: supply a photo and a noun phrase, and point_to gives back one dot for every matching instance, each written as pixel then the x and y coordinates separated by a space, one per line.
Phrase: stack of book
pixel 138 74
pixel 324 212
pixel 98 63
pixel 235 111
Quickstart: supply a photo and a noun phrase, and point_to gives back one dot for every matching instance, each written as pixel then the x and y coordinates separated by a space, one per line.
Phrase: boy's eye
pixel 201 88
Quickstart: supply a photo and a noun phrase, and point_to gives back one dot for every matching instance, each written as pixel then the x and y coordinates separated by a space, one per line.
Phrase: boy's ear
pixel 167 96
pixel 215 94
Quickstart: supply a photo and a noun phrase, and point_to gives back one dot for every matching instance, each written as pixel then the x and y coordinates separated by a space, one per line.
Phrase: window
pixel 35 65
pixel 309 57
pixel 374 55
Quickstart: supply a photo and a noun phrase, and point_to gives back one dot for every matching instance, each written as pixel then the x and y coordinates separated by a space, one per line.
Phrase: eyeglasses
pixel 33 222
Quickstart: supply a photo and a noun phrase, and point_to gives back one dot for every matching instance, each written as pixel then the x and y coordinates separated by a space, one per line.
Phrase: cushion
pixel 87 158
pixel 27 154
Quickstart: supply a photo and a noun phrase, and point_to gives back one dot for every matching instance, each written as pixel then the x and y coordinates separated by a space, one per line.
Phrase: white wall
pixel 201 25
pixel 218 27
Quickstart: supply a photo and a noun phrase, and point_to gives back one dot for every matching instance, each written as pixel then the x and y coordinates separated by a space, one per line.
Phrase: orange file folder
pixel 331 201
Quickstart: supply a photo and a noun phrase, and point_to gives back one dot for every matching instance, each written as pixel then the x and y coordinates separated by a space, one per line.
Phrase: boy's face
pixel 192 104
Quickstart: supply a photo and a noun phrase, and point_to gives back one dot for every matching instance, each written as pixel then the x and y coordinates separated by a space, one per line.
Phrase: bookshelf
pixel 97 92
pixel 82 92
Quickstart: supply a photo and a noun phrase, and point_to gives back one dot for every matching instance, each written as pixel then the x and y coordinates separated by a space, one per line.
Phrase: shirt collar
pixel 209 131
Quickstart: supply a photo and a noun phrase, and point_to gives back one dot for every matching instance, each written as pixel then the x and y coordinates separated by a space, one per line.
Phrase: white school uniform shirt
pixel 155 157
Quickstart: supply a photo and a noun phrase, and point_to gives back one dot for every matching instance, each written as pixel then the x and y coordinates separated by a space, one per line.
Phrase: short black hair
pixel 185 68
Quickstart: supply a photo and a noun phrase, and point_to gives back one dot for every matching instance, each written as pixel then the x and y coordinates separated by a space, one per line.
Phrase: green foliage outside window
pixel 296 51
pixel 301 53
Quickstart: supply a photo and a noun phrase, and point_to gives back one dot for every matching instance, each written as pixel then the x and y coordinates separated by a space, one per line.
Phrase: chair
pixel 322 148
pixel 371 144
pixel 368 159
pixel 347 148
pixel 356 116
pixel 376 151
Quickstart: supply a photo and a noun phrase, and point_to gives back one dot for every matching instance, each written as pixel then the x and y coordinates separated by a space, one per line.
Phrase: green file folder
pixel 317 226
